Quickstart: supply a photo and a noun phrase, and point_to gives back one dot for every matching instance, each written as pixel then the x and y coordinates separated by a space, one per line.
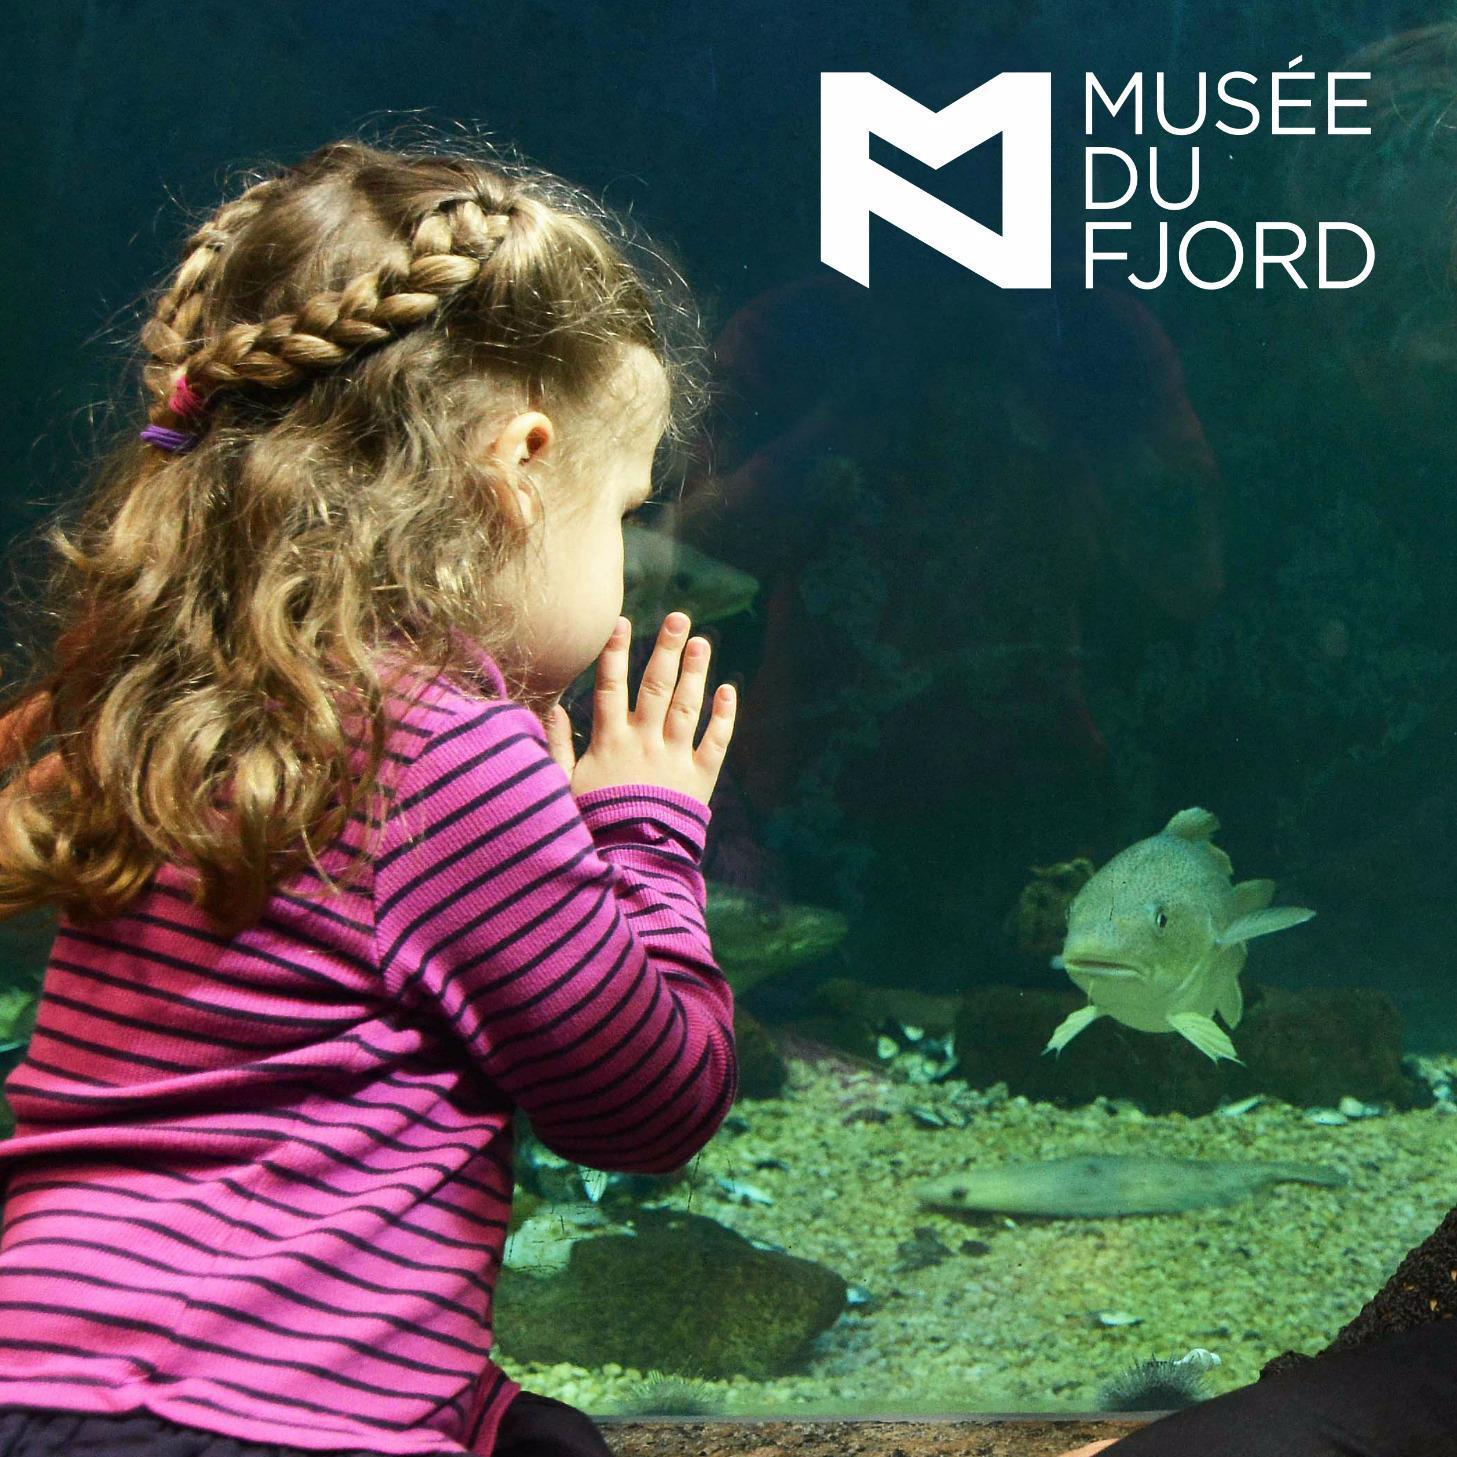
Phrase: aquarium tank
pixel 1075 514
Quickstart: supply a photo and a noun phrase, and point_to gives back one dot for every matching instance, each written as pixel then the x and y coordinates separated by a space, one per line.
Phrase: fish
pixel 661 574
pixel 756 935
pixel 17 1017
pixel 1158 937
pixel 1103 1186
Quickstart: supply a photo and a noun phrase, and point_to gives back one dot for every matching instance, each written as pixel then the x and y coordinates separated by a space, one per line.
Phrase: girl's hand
pixel 651 743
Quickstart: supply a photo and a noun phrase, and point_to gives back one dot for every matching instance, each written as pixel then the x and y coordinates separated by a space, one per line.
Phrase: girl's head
pixel 434 382
pixel 569 584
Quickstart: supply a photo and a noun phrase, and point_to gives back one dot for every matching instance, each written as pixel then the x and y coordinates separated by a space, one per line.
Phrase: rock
pixel 1307 1048
pixel 762 1070
pixel 853 1017
pixel 683 1295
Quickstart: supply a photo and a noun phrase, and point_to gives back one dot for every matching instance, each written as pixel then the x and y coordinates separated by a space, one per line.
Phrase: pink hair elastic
pixel 186 404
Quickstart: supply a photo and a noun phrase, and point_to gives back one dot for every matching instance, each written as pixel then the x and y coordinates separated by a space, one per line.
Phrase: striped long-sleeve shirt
pixel 260 1185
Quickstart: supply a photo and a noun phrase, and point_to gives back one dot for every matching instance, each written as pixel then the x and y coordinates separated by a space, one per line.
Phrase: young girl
pixel 334 901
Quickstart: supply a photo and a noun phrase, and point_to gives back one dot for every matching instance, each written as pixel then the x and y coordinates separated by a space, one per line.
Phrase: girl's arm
pixel 566 947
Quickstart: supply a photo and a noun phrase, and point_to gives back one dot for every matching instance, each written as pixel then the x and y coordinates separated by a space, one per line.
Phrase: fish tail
pixel 1309 1174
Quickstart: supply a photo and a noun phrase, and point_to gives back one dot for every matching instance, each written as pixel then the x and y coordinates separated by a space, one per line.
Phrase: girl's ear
pixel 516 498
pixel 526 439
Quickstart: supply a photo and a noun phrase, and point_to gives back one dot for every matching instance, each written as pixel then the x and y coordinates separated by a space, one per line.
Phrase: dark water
pixel 1037 569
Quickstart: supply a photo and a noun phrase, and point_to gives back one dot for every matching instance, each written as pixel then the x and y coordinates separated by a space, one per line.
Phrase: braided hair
pixel 337 344
pixel 446 254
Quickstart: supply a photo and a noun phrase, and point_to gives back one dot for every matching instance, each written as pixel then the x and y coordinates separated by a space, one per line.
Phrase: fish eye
pixel 1160 918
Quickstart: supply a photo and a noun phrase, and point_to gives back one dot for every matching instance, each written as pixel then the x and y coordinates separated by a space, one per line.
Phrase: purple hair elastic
pixel 179 442
pixel 185 403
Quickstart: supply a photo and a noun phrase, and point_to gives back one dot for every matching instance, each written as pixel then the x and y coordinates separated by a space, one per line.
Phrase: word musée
pixel 1112 177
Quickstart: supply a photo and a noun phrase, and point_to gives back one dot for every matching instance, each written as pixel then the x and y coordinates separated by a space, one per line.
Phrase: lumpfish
pixel 1101 1186
pixel 755 936
pixel 1157 937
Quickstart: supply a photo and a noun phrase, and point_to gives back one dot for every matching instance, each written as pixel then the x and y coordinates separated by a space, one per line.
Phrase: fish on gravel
pixel 1103 1186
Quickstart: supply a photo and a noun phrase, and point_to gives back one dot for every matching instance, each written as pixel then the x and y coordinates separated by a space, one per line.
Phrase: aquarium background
pixel 1031 573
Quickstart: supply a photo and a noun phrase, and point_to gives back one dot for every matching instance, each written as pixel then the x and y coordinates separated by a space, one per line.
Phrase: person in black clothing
pixel 1386 1386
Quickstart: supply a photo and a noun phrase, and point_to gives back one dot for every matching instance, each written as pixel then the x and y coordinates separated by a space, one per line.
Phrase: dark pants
pixel 533 1426
pixel 542 1426
pixel 1392 1398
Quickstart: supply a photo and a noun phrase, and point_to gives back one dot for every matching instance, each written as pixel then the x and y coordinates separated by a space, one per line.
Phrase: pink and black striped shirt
pixel 260 1185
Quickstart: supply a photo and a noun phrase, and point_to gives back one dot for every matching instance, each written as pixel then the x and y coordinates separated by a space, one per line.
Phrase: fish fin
pixel 1263 923
pixel 1253 895
pixel 1230 1003
pixel 1070 1026
pixel 1205 1034
pixel 1192 824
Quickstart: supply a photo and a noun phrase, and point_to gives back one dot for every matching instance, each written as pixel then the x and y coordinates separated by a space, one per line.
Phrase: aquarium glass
pixel 1078 483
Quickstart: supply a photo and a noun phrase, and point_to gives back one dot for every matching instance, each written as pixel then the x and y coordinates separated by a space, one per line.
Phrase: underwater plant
pixel 661 1394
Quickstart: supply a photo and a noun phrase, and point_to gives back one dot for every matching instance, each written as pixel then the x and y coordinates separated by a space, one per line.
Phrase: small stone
pixel 927 1117
pixel 1328 1117
pixel 1355 1108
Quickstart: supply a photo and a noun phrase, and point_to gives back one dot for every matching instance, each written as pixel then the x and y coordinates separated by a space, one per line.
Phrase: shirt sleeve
pixel 565 942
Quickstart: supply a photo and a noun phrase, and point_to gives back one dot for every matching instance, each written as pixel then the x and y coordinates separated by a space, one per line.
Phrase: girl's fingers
pixel 715 742
pixel 687 705
pixel 559 738
pixel 660 677
pixel 609 696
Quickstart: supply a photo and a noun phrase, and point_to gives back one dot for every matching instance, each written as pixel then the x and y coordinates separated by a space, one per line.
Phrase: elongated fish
pixel 1102 1186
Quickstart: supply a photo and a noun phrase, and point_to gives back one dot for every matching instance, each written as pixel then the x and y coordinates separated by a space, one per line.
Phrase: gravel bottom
pixel 1011 1316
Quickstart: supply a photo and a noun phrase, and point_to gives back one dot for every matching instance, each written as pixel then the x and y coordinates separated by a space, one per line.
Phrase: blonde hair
pixel 354 322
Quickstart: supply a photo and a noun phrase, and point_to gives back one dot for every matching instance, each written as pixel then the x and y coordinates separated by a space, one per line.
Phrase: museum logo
pixel 1017 107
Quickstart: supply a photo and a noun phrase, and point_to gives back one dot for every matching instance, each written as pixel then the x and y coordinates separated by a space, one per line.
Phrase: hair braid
pixel 169 334
pixel 445 255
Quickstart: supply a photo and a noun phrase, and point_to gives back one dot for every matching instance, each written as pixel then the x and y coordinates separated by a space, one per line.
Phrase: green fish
pixel 1157 938
pixel 17 1017
pixel 755 936
pixel 660 574
pixel 1102 1186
